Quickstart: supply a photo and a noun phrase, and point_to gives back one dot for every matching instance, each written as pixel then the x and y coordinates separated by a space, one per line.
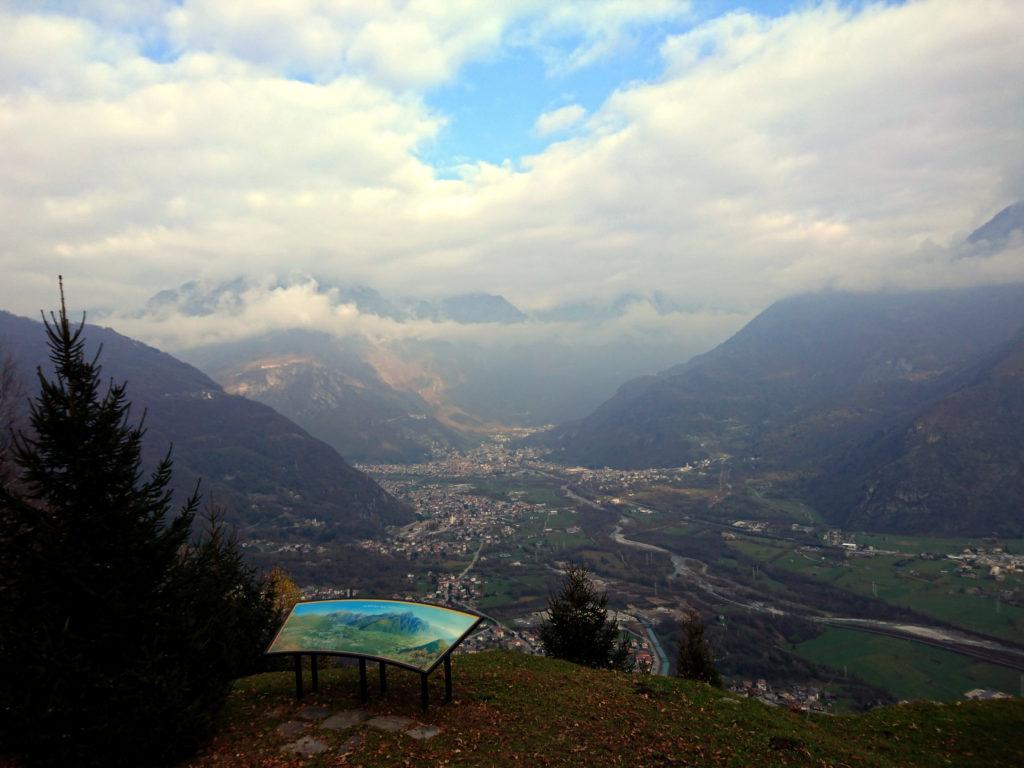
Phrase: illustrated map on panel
pixel 413 634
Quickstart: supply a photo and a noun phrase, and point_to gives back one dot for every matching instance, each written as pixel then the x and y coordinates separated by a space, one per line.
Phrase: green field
pixel 505 591
pixel 791 509
pixel 930 587
pixel 531 489
pixel 908 669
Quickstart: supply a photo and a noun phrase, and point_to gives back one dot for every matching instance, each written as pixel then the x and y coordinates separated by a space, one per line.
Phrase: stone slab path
pixel 348 718
pixel 291 729
pixel 310 746
pixel 423 732
pixel 390 723
pixel 314 713
pixel 307 746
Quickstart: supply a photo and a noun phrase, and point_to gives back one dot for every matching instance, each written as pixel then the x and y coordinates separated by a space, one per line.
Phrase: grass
pixel 516 710
pixel 501 590
pixel 909 670
pixel 532 490
pixel 930 587
pixel 792 509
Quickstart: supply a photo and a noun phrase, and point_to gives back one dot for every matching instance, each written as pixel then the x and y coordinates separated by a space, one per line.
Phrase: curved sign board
pixel 413 635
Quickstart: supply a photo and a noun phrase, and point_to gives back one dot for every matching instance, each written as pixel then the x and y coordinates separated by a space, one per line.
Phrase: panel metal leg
pixel 363 696
pixel 314 684
pixel 447 679
pixel 383 671
pixel 298 676
pixel 424 691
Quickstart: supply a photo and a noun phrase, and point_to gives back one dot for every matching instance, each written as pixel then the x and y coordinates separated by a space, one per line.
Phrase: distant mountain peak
pixel 480 307
pixel 999 228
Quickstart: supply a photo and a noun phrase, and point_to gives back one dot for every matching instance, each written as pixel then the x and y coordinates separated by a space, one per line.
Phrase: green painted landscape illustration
pixel 413 634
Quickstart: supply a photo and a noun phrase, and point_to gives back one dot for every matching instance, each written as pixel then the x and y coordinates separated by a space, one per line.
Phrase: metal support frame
pixel 314 669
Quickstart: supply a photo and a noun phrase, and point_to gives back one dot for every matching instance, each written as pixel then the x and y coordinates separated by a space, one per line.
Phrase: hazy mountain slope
pixel 800 381
pixel 480 308
pixel 327 386
pixel 957 467
pixel 267 471
pixel 999 228
pixel 468 363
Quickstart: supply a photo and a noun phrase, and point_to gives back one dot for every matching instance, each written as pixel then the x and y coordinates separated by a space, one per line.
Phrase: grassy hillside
pixel 513 709
pixel 907 670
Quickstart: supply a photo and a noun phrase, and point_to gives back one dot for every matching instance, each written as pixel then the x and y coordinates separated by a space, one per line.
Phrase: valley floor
pixel 813 610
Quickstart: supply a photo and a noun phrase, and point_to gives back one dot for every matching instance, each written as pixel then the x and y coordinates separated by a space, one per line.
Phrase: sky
pixel 726 154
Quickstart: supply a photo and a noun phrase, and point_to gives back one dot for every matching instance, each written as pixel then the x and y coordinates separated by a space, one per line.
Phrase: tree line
pixel 121 628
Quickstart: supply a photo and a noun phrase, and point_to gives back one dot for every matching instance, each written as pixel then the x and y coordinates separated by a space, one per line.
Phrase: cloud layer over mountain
pixel 151 143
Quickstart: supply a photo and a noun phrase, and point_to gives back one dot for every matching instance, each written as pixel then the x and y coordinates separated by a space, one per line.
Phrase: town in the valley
pixel 497 523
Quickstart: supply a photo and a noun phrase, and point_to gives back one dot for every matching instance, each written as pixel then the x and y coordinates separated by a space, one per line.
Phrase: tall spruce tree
pixel 112 622
pixel 577 627
pixel 695 661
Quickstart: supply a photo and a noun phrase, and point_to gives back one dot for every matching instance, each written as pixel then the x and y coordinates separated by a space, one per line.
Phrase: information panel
pixel 414 635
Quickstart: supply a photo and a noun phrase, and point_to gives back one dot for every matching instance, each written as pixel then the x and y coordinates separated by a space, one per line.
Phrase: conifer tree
pixel 696 661
pixel 112 622
pixel 577 627
pixel 11 397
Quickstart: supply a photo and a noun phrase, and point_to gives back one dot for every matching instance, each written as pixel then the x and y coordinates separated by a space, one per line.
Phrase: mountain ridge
pixel 331 388
pixel 802 384
pixel 268 473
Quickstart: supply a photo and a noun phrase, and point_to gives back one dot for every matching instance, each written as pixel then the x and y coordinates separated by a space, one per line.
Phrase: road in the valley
pixel 476 556
pixel 696 572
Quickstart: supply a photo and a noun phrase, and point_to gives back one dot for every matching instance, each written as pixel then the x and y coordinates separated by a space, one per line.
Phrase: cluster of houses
pixel 494 636
pixel 996 563
pixel 798 697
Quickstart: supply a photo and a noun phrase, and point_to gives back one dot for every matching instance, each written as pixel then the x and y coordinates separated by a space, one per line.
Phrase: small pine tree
pixel 118 634
pixel 577 627
pixel 695 660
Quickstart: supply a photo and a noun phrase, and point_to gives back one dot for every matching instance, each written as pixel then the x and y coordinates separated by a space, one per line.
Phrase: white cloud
pixel 558 120
pixel 599 29
pixel 299 301
pixel 826 147
pixel 405 44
